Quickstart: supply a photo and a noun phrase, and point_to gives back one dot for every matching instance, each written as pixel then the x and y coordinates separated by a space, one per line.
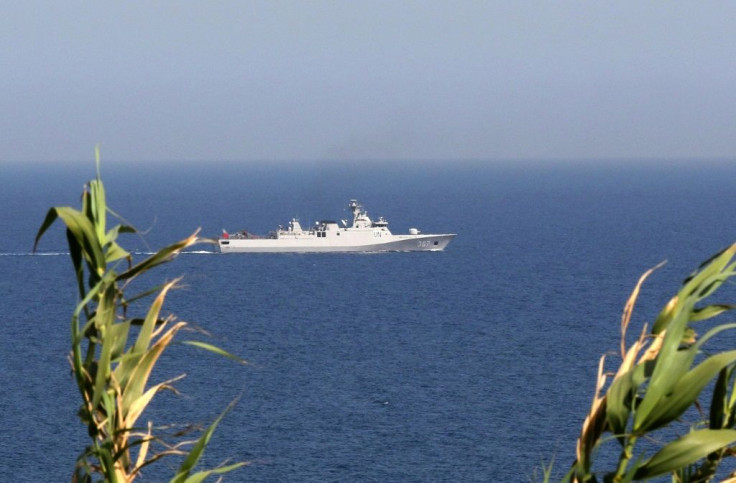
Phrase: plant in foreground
pixel 660 378
pixel 113 353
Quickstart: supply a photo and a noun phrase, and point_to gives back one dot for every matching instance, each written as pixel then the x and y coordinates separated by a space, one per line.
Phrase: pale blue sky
pixel 361 80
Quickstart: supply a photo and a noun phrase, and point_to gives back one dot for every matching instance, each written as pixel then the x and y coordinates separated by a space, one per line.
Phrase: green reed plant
pixel 113 351
pixel 658 382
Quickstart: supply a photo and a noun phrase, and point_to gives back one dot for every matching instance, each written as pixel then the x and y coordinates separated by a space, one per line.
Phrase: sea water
pixel 473 364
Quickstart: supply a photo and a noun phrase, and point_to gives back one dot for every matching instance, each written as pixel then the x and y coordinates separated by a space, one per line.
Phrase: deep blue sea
pixel 473 364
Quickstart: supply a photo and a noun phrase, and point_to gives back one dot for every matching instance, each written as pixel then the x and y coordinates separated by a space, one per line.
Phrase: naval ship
pixel 362 235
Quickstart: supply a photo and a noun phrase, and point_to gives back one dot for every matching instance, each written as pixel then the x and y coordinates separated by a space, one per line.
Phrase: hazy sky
pixel 283 80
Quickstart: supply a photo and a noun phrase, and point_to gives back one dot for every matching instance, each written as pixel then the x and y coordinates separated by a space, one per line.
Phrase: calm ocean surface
pixel 473 364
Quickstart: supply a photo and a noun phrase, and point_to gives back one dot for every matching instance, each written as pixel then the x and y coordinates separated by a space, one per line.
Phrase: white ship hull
pixel 396 243
pixel 362 235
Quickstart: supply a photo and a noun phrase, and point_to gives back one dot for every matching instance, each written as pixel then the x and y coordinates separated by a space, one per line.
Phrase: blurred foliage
pixel 113 352
pixel 662 376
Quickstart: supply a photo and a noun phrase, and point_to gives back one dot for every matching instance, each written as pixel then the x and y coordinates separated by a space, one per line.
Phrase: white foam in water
pixel 54 254
pixel 31 254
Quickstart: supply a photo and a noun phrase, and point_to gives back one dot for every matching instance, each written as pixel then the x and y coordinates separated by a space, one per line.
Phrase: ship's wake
pixel 58 253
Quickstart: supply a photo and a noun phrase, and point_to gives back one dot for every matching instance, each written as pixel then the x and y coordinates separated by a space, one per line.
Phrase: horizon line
pixel 489 160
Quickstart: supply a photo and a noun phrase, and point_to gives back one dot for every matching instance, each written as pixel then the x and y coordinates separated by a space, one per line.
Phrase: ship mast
pixel 356 209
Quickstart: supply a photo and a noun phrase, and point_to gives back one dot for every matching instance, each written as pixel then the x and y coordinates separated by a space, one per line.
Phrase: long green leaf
pixel 714 282
pixel 687 390
pixel 106 458
pixel 715 330
pixel 115 252
pixel 710 311
pixel 669 368
pixel 693 284
pixel 136 297
pixel 108 403
pixel 164 255
pixel 137 407
pixel 139 377
pixel 75 251
pixel 104 318
pixel 714 264
pixel 112 235
pixel 75 245
pixel 84 232
pixel 77 335
pixel 51 216
pixel 621 395
pixel 618 402
pixel 719 403
pixel 685 451
pixel 215 349
pixel 144 336
pixel 198 450
pixel 119 333
pixel 98 208
pixel 202 475
pixel 126 366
